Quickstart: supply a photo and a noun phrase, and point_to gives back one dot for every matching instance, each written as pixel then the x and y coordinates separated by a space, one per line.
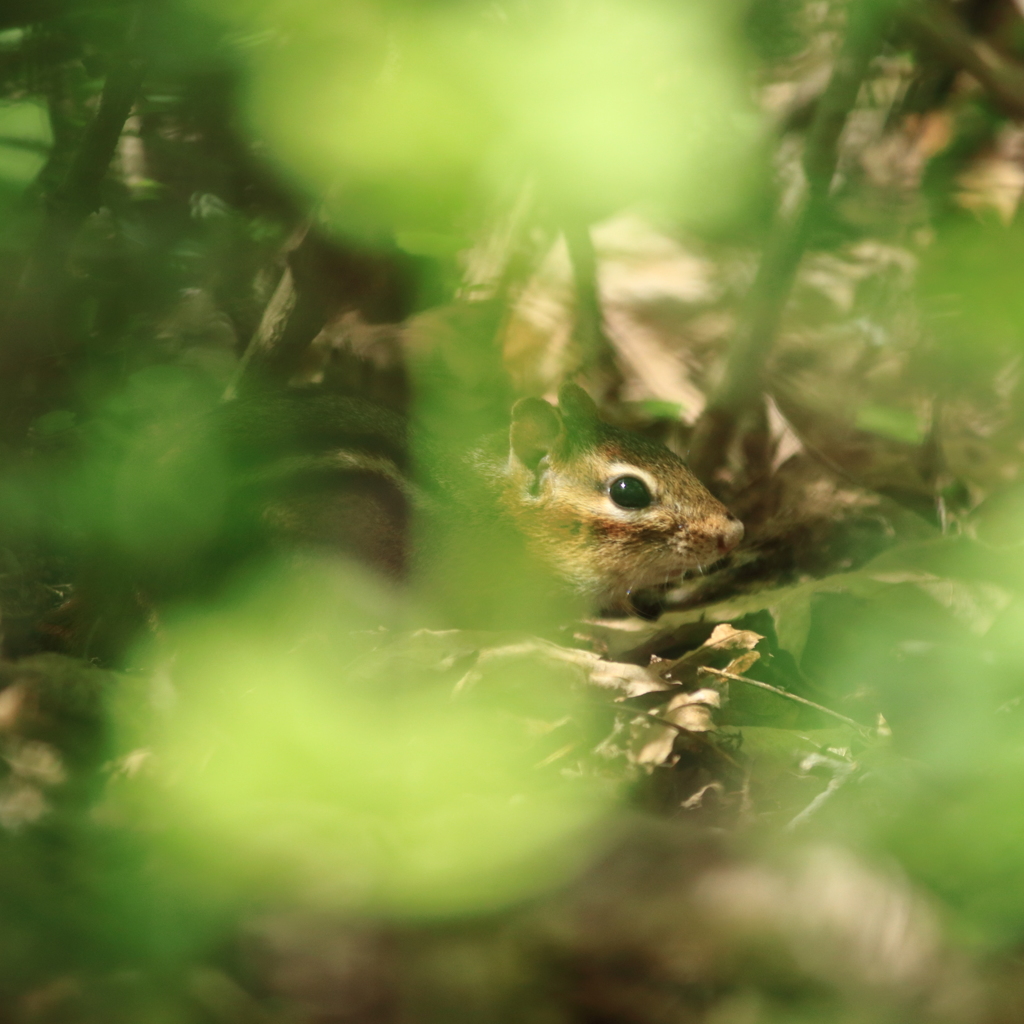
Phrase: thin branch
pixel 840 774
pixel 34 331
pixel 274 321
pixel 583 257
pixel 938 28
pixel 597 349
pixel 80 192
pixel 787 695
pixel 743 381
pixel 269 332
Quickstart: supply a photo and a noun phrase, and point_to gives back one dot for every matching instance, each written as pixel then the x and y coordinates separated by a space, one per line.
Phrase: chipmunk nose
pixel 731 533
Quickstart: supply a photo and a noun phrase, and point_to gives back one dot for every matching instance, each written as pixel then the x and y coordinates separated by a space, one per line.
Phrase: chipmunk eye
pixel 629 492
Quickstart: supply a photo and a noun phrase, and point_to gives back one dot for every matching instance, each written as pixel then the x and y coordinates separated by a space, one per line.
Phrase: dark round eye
pixel 629 492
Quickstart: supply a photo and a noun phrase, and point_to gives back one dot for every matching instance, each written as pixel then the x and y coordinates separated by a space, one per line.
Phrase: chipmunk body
pixel 199 495
pixel 610 512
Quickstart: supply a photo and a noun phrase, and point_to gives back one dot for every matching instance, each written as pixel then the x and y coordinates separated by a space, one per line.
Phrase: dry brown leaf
pixel 725 637
pixel 689 711
pixel 632 680
pixel 658 748
pixel 694 718
pixel 692 711
pixel 704 696
pixel 740 665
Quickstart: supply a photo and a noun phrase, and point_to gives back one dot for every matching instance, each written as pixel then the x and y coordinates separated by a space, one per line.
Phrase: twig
pixel 938 28
pixel 742 384
pixel 841 772
pixel 583 257
pixel 785 693
pixel 79 194
pixel 274 321
pixel 496 264
pixel 703 741
pixel 597 349
pixel 32 332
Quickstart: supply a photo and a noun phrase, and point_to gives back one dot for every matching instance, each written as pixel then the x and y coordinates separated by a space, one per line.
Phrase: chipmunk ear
pixel 575 403
pixel 536 426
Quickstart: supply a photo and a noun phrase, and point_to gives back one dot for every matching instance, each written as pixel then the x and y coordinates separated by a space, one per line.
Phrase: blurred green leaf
pixel 970 289
pixel 299 750
pixel 25 140
pixel 430 243
pixel 899 424
pixel 407 116
pixel 153 485
pixel 658 409
pixel 54 422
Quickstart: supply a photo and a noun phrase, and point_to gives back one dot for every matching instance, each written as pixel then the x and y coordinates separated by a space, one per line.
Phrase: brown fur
pixel 551 474
pixel 561 503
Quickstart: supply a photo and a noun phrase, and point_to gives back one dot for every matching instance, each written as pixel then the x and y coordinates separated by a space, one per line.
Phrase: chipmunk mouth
pixel 696 553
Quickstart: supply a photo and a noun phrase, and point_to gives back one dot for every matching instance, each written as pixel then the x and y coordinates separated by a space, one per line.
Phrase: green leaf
pixel 25 140
pixel 899 424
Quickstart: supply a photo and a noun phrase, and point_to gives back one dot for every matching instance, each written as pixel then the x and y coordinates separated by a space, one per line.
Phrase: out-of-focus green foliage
pixel 934 641
pixel 297 750
pixel 154 482
pixel 416 114
pixel 25 139
pixel 896 423
pixel 294 732
pixel 970 288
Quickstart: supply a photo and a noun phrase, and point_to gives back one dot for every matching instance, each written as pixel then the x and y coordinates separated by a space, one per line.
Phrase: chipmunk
pixel 609 512
pixel 195 496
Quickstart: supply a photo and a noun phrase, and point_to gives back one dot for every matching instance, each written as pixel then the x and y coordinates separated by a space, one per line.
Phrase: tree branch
pixel 938 28
pixel 722 674
pixel 79 194
pixel 274 321
pixel 741 386
pixel 35 322
pixel 596 348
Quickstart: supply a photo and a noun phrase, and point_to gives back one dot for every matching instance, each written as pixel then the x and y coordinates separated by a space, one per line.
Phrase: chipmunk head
pixel 610 510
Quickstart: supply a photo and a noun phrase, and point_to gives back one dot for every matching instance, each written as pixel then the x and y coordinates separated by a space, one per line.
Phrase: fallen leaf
pixel 658 749
pixel 740 665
